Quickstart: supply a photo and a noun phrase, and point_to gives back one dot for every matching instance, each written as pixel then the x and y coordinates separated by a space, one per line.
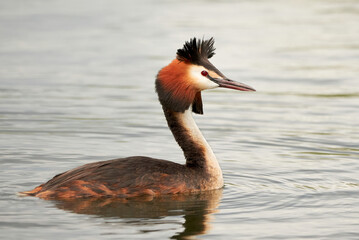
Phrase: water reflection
pixel 195 208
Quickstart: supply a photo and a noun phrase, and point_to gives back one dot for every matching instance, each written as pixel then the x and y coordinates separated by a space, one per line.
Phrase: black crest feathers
pixel 196 51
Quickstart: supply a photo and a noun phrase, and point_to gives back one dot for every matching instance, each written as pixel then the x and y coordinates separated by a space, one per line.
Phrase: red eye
pixel 204 73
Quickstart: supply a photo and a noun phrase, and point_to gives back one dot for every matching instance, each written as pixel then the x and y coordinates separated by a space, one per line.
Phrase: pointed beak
pixel 227 83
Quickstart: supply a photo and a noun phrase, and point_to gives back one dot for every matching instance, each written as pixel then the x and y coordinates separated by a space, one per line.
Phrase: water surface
pixel 77 86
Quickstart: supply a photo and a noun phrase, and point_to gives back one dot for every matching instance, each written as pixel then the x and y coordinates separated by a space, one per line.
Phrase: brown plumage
pixel 126 177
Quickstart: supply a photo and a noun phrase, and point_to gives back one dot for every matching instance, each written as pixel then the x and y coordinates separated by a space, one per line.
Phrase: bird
pixel 179 86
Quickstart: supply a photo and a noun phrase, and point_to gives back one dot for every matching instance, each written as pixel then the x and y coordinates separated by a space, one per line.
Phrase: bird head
pixel 180 83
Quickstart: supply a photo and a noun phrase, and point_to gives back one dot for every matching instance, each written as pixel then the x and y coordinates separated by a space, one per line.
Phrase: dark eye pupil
pixel 204 73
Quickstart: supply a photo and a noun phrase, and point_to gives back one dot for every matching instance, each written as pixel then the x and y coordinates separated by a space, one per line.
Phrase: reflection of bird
pixel 195 208
pixel 179 87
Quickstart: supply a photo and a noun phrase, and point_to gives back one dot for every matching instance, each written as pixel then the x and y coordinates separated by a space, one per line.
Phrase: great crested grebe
pixel 179 87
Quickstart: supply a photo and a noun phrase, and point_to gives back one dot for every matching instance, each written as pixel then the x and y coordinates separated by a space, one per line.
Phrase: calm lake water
pixel 77 86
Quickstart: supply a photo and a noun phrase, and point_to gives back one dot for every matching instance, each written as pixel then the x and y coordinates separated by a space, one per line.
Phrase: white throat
pixel 212 164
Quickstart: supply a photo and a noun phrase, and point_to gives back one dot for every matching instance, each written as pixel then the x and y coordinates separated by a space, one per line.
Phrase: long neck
pixel 197 151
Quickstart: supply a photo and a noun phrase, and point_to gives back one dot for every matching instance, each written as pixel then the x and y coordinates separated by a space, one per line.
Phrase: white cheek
pixel 200 81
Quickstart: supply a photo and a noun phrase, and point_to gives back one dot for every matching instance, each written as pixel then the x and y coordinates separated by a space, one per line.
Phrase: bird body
pixel 179 87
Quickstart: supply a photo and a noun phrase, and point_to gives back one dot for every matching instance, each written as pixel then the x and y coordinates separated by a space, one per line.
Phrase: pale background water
pixel 77 86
